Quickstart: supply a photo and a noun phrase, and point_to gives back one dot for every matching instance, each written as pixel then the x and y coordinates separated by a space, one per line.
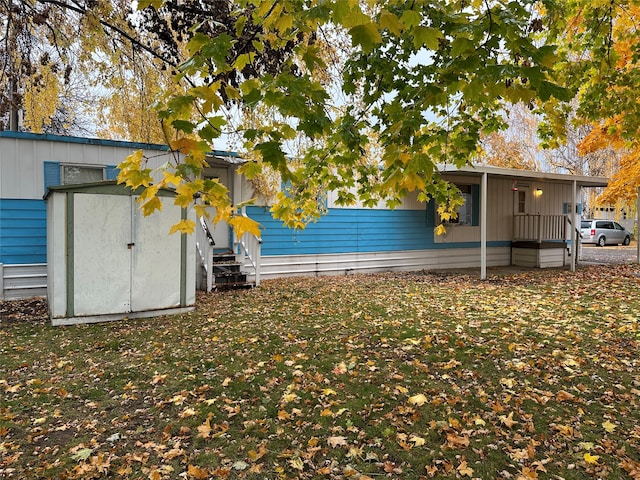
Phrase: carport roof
pixel 581 181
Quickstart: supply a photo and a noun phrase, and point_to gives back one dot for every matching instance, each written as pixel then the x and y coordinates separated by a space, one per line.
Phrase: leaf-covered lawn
pixel 407 376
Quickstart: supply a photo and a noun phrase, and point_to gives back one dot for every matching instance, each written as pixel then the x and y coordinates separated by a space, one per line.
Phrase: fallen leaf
pixel 591 459
pixel 336 441
pixel 204 430
pixel 196 472
pixel 418 399
pixel 508 421
pixel 608 426
pixel 464 469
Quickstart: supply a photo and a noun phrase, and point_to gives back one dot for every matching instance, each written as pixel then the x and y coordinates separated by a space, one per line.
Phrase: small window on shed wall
pixel 73 174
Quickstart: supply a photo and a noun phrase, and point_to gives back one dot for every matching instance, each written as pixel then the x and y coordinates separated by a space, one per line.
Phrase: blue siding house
pixel 509 217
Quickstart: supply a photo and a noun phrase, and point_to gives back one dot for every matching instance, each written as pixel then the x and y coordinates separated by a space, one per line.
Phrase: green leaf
pixel 367 36
pixel 546 90
pixel 240 23
pixel 426 37
pixel 389 21
pixel 243 60
pixel 272 153
pixel 183 126
pixel 197 42
pixel 460 46
pixel 411 18
pixel 341 9
pixel 250 169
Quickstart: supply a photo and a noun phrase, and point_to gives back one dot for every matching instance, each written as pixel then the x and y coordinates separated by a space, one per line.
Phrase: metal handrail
pixel 204 246
pixel 250 247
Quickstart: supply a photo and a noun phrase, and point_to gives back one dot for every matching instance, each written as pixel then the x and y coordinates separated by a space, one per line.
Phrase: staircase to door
pixel 235 268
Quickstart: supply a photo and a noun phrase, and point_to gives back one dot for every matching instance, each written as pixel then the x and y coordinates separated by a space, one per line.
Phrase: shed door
pixel 156 260
pixel 101 257
pixel 124 262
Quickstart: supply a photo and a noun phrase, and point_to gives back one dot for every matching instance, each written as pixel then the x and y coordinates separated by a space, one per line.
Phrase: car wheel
pixel 602 241
pixel 627 240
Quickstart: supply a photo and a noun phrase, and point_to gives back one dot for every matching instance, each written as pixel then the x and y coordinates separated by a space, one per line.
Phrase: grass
pixel 412 376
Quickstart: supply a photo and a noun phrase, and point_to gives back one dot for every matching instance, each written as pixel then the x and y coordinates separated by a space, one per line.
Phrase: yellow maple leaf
pixel 289 397
pixel 242 225
pixel 417 441
pixel 592 459
pixel 464 469
pixel 418 399
pixel 183 226
pixel 440 230
pixel 608 426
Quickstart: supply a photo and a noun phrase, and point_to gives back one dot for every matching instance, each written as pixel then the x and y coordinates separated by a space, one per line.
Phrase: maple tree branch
pixel 114 28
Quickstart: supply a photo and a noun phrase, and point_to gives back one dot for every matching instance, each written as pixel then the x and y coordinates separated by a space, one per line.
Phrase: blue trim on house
pixel 51 174
pixel 346 230
pixel 23 231
pixel 112 172
pixel 99 141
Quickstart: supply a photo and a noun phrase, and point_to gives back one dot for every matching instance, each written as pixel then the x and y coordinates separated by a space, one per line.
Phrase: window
pixel 56 173
pixel 465 212
pixel 72 174
pixel 522 201
pixel 605 224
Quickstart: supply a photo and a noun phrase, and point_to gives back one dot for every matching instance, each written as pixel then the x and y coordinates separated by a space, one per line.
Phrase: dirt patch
pixel 24 310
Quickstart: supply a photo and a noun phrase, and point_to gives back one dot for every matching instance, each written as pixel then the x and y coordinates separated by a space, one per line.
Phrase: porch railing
pixel 204 251
pixel 540 228
pixel 249 248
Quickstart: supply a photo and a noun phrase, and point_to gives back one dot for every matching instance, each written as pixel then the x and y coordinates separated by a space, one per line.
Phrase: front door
pixel 220 232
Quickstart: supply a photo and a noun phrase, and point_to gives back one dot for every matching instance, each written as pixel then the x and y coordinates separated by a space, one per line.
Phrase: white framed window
pixel 522 201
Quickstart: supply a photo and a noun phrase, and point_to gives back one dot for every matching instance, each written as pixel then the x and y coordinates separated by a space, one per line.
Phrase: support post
pixel 574 237
pixel 1 283
pixel 483 227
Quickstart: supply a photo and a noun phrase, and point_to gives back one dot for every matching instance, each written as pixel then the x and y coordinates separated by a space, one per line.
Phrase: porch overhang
pixel 485 171
pixel 479 170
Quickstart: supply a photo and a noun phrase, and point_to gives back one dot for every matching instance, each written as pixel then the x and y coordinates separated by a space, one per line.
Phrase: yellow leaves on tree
pixel 617 126
pixel 41 99
pixel 625 182
pixel 196 193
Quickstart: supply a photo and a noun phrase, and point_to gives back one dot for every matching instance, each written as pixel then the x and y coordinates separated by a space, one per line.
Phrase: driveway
pixel 611 254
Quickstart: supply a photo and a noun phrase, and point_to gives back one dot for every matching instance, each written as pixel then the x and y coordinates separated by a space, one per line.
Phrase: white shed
pixel 107 262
